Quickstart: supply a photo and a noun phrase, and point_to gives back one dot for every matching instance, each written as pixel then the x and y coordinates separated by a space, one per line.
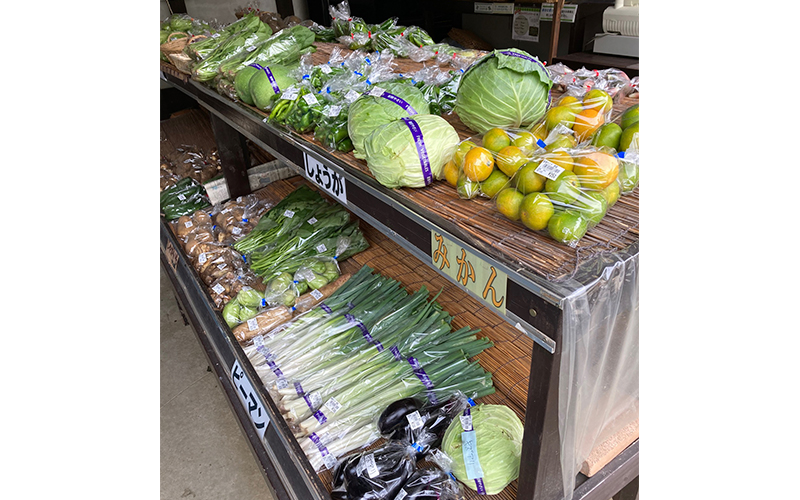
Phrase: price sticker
pixel 415 420
pixel 466 422
pixel 188 224
pixel 250 48
pixel 218 288
pixel 370 465
pixel 321 248
pixel 236 230
pixel 252 324
pixel 325 69
pixel 333 110
pixel 329 461
pixel 247 395
pixel 222 266
pixel 401 495
pixel 376 91
pixel 215 35
pixel 288 214
pixel 316 294
pixel 289 94
pixel 312 221
pixel 332 405
pixel 326 178
pixel 282 383
pixel 202 259
pixel 182 197
pixel 310 99
pixel 549 169
pixel 351 96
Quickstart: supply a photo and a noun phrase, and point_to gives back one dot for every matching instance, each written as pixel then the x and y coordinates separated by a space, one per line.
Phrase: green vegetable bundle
pixel 300 112
pixel 202 49
pixel 185 197
pixel 331 129
pixel 334 240
pixel 281 219
pixel 284 48
pixel 243 41
pixel 242 307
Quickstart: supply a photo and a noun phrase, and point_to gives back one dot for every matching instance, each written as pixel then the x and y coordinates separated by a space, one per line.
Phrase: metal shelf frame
pixel 533 306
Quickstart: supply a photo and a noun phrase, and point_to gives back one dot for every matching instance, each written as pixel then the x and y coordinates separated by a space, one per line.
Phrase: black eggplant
pixel 429 484
pixel 394 415
pixel 338 491
pixel 436 418
pixel 390 466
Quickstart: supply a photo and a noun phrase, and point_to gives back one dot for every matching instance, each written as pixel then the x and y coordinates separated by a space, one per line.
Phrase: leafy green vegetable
pixel 502 90
pixel 231 311
pixel 393 156
pixel 283 48
pixel 498 433
pixel 250 298
pixel 370 112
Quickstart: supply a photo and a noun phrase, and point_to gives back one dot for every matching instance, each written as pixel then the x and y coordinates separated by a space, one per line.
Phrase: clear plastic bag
pixel 561 190
pixel 281 290
pixel 425 484
pixel 380 473
pixel 420 425
pixel 318 271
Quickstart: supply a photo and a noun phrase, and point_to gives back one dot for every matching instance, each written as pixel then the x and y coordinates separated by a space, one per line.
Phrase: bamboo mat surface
pixel 527 252
pixel 508 360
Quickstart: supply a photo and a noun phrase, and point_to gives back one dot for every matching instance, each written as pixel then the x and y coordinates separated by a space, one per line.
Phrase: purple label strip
pixel 396 352
pixel 422 152
pixel 323 450
pixel 479 484
pixel 277 371
pixel 352 319
pixel 325 308
pixel 523 56
pixel 423 377
pixel 397 100
pixel 308 403
pixel 272 80
pixel 321 418
pixel 298 388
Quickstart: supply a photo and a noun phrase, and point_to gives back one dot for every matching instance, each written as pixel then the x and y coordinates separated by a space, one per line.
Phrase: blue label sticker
pixel 469 450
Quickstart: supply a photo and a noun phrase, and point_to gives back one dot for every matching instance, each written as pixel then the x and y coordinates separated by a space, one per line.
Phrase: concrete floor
pixel 204 455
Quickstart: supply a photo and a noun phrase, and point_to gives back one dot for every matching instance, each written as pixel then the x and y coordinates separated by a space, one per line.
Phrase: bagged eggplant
pixel 429 484
pixel 420 426
pixel 378 474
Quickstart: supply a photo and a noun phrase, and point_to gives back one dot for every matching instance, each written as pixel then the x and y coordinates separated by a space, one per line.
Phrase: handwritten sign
pixel 256 410
pixel 326 177
pixel 470 271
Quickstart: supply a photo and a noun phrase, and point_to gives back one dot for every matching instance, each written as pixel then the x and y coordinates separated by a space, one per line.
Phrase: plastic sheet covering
pixel 599 377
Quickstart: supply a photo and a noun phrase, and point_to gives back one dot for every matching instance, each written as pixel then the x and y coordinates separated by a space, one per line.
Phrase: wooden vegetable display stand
pixel 533 317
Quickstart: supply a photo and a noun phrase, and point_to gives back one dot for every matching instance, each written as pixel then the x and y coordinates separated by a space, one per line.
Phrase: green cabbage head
pixel 502 90
pixel 370 112
pixel 499 438
pixel 392 153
